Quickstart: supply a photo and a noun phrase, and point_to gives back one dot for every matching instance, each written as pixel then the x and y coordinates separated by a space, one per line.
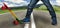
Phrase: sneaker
pixel 54 21
pixel 26 20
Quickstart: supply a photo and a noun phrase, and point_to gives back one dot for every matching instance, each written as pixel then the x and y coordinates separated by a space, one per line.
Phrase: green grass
pixel 43 8
pixel 5 11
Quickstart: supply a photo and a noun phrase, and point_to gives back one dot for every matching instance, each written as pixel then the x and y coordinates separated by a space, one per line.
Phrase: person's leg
pixel 51 11
pixel 29 10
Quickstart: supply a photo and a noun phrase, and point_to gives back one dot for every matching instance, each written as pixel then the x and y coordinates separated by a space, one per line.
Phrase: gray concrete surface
pixel 42 20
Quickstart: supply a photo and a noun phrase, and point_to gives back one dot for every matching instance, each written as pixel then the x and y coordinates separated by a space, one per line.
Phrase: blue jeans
pixel 47 4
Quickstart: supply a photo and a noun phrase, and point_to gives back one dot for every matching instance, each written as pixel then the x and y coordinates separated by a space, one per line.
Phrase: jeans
pixel 46 3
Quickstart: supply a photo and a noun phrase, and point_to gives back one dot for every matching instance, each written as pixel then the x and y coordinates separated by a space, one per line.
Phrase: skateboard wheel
pixel 15 22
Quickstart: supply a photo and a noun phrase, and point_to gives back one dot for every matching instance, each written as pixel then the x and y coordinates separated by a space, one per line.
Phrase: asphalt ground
pixel 42 19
